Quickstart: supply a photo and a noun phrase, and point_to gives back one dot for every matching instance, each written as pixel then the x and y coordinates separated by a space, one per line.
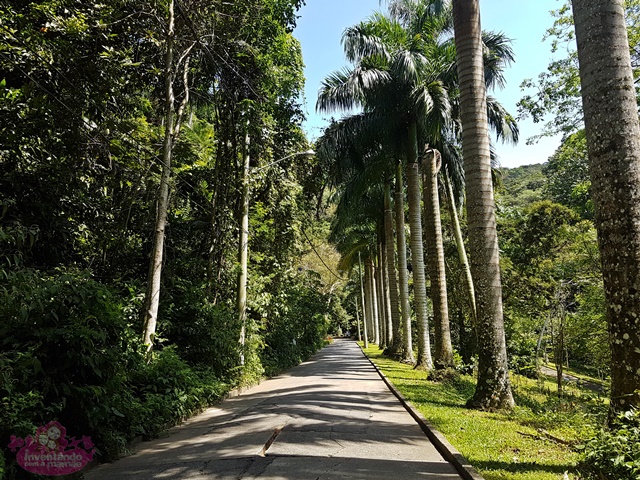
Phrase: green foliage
pixel 614 454
pixel 521 186
pixel 567 172
pixel 69 354
pixel 556 92
pixel 296 325
pixel 206 335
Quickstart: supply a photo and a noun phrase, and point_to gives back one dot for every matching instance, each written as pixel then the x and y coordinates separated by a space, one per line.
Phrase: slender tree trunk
pixel 493 389
pixel 462 253
pixel 244 247
pixel 417 250
pixel 432 162
pixel 395 333
pixel 364 304
pixel 355 302
pixel 613 140
pixel 403 277
pixel 388 324
pixel 382 308
pixel 375 318
pixel 152 297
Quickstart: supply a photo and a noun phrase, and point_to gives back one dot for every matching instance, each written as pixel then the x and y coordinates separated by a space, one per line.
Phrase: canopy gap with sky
pixel 322 23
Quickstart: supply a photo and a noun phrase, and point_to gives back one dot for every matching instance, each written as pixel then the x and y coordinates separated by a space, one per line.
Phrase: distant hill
pixel 521 186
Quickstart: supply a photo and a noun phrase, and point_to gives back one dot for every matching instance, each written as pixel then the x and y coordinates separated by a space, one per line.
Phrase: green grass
pixel 503 445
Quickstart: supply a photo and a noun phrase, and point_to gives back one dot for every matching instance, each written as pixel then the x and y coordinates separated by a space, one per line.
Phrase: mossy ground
pixel 538 440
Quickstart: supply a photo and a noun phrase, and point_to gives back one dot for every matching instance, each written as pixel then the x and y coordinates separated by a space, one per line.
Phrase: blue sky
pixel 322 22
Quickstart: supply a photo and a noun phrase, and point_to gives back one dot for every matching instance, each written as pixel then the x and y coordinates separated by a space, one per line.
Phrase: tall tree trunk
pixel 355 302
pixel 403 277
pixel 431 162
pixel 375 319
pixel 388 324
pixel 493 389
pixel 382 307
pixel 417 250
pixel 395 335
pixel 462 253
pixel 364 304
pixel 152 297
pixel 613 140
pixel 243 254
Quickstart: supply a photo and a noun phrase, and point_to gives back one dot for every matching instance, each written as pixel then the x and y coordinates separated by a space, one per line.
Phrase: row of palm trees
pixel 405 97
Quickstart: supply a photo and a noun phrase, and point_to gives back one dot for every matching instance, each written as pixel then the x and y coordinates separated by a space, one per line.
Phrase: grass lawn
pixel 535 441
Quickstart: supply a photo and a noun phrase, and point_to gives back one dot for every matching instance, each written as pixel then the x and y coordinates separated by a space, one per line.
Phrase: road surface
pixel 329 418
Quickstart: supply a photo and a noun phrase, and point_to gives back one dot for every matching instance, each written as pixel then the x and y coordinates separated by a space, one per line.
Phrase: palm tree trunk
pixel 462 253
pixel 405 309
pixel 382 307
pixel 375 318
pixel 388 324
pixel 417 250
pixel 613 140
pixel 355 302
pixel 435 259
pixel 395 334
pixel 367 301
pixel 364 304
pixel 493 389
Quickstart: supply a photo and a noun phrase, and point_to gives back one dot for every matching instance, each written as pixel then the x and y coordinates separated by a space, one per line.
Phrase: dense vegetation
pixel 83 90
pixel 163 240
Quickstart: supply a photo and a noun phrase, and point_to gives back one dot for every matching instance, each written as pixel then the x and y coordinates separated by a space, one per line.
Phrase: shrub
pixel 614 454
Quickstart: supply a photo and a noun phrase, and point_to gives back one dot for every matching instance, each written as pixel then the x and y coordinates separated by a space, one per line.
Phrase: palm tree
pixel 395 335
pixel 404 79
pixel 613 139
pixel 493 389
pixel 432 162
pixel 393 77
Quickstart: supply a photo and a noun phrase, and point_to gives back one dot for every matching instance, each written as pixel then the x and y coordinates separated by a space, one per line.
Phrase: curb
pixel 448 451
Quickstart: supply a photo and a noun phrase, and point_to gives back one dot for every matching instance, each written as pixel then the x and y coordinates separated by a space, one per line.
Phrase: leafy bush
pixel 614 454
pixel 205 334
pixel 297 327
pixel 69 354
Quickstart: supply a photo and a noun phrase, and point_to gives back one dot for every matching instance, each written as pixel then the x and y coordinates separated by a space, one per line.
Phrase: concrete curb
pixel 448 451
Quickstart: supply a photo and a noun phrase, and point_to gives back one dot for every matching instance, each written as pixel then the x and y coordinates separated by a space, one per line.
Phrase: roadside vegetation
pixel 540 439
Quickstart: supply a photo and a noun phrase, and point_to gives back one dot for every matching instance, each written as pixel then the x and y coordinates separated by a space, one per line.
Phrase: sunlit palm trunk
pixel 363 298
pixel 462 252
pixel 403 277
pixel 493 389
pixel 431 163
pixel 382 301
pixel 417 250
pixel 395 334
pixel 374 332
pixel 613 139
pixel 369 304
pixel 388 325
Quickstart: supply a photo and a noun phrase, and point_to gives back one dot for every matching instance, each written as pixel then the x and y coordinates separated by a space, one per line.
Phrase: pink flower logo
pixel 48 452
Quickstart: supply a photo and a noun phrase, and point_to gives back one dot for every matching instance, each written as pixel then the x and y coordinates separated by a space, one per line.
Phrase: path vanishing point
pixel 332 417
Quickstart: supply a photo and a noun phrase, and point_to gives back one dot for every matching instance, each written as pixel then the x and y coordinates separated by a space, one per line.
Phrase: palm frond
pixel 502 123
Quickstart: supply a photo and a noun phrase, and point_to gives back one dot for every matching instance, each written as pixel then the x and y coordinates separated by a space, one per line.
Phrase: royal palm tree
pixel 404 79
pixel 394 77
pixel 613 139
pixel 493 389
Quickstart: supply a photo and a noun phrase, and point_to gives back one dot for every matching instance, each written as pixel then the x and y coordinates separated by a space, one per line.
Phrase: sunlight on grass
pixel 527 443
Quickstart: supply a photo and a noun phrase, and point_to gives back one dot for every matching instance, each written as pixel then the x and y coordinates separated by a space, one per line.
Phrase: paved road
pixel 329 418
